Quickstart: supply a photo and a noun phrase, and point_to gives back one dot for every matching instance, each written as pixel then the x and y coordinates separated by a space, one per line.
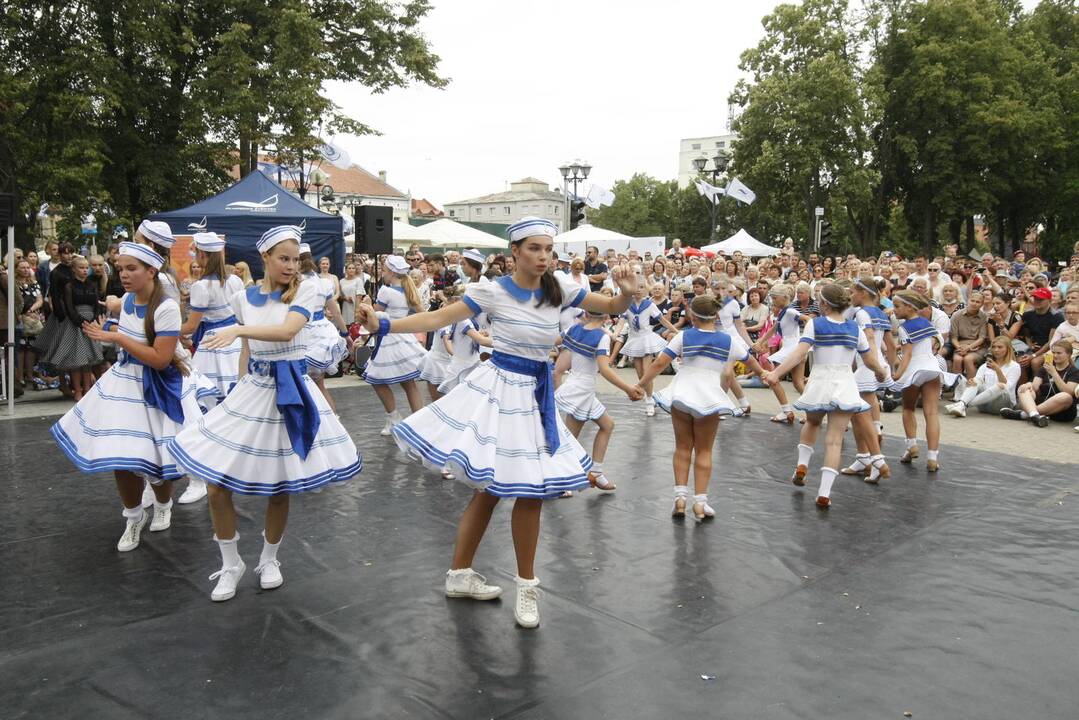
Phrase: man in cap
pixel 1037 326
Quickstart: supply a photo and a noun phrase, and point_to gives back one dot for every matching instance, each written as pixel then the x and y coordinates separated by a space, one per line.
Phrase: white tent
pixel 405 232
pixel 452 234
pixel 574 242
pixel 744 243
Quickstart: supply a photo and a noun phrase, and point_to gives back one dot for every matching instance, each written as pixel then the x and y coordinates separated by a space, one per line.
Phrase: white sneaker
pixel 956 409
pixel 162 518
pixel 227 580
pixel 270 575
pixel 391 420
pixel 132 533
pixel 148 496
pixel 526 609
pixel 196 490
pixel 470 584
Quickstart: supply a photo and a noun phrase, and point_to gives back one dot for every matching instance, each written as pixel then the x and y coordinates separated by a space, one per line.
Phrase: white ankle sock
pixel 162 506
pixel 912 443
pixel 743 402
pixel 230 551
pixel 269 550
pixel 875 464
pixel 861 460
pixel 134 513
pixel 827 477
pixel 1031 415
pixel 786 408
pixel 932 454
pixel 805 452
pixel 597 467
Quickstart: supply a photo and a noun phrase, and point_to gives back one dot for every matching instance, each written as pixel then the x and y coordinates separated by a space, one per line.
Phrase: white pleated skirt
pixel 242 444
pixel 112 427
pixel 435 367
pixel 488 432
pixel 923 369
pixel 325 347
pixel 831 387
pixel 867 380
pixel 399 358
pixel 576 397
pixel 456 372
pixel 697 391
pixel 643 344
pixel 783 352
pixel 220 366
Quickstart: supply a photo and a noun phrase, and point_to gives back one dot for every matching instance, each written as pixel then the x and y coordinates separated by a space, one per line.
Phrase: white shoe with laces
pixel 162 518
pixel 270 576
pixel 227 580
pixel 132 533
pixel 468 583
pixel 526 609
pixel 195 491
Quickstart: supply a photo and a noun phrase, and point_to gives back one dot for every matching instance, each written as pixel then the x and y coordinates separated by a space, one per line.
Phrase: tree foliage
pixel 129 107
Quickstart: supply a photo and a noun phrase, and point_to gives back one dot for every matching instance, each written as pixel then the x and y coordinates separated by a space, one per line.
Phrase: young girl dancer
pixel 274 434
pixel 436 364
pixel 643 343
pixel 211 311
pixel 467 341
pixel 140 403
pixel 788 327
pixel 868 430
pixel 586 350
pixel 396 359
pixel 325 334
pixel 695 399
pixel 158 236
pixel 729 320
pixel 920 376
pixel 500 432
pixel 832 389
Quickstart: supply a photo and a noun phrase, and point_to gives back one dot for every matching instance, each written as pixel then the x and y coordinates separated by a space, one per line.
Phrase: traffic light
pixel 576 213
pixel 825 231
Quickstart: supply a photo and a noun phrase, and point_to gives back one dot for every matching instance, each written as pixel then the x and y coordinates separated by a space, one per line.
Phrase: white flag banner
pixel 739 191
pixel 599 196
pixel 710 191
pixel 43 210
pixel 336 155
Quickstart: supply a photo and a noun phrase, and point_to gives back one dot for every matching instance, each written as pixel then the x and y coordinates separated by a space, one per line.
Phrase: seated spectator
pixel 992 388
pixel 1037 327
pixel 1069 329
pixel 950 301
pixel 969 335
pixel 1051 395
pixel 755 314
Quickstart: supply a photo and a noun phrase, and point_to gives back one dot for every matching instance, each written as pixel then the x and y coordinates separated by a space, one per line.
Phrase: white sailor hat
pixel 397 264
pixel 474 255
pixel 142 253
pixel 531 227
pixel 209 242
pixel 305 249
pixel 157 232
pixel 276 235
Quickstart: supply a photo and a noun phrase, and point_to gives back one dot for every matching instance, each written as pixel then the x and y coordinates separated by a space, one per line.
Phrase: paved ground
pixel 947 596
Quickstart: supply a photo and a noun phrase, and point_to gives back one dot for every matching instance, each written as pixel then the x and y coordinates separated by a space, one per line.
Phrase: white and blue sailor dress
pixel 325 346
pixel 274 433
pixel 131 413
pixel 789 330
pixel 437 362
pixel 916 337
pixel 398 357
pixel 209 297
pixel 642 340
pixel 697 389
pixel 832 386
pixel 466 354
pixel 499 430
pixel 874 318
pixel 576 396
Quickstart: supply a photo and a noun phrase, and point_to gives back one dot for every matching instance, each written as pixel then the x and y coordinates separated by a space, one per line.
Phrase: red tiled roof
pixel 423 207
pixel 351 181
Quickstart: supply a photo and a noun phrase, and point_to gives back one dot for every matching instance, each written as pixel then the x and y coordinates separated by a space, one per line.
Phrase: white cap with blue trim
pixel 209 241
pixel 305 249
pixel 142 253
pixel 531 227
pixel 474 255
pixel 157 232
pixel 276 235
pixel 397 264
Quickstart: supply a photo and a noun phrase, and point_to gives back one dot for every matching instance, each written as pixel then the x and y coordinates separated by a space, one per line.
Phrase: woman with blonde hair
pixel 243 271
pixel 398 358
pixel 993 387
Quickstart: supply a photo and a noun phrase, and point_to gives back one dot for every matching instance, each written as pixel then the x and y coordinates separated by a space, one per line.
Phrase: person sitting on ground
pixel 969 336
pixel 1051 395
pixel 1069 329
pixel 992 388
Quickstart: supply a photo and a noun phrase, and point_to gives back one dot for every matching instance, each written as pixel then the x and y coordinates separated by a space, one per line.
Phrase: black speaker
pixel 374 229
pixel 7 210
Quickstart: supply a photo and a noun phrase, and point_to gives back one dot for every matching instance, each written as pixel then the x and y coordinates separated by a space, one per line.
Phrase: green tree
pixel 643 207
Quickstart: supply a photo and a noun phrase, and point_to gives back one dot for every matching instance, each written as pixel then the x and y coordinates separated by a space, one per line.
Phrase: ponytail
pixel 412 295
pixel 213 263
pixel 551 291
pixel 157 295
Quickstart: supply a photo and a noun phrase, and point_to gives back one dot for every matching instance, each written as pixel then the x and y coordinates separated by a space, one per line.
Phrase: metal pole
pixel 565 205
pixel 9 370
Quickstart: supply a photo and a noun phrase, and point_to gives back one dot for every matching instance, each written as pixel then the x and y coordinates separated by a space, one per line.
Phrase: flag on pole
pixel 599 196
pixel 43 210
pixel 336 155
pixel 739 191
pixel 710 191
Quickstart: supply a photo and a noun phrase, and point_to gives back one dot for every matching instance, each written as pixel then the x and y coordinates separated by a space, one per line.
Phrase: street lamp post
pixel 720 163
pixel 574 172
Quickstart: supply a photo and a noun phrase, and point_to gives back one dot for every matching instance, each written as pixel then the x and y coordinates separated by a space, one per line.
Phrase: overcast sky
pixel 533 84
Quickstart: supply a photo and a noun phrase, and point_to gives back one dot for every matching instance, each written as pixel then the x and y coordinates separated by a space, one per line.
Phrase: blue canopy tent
pixel 252 206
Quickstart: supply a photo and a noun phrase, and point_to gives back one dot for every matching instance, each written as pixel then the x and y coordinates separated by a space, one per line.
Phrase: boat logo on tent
pixel 267 205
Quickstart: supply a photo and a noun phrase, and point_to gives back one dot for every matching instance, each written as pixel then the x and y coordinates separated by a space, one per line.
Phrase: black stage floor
pixel 952 597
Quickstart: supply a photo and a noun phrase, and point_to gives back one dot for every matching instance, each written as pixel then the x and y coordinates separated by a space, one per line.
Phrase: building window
pixel 507 209
pixel 721 143
pixel 451 213
pixel 696 146
pixel 479 211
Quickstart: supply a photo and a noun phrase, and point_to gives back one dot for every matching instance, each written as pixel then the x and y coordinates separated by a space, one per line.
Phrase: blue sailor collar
pixel 258 299
pixel 638 309
pixel 517 292
pixel 130 306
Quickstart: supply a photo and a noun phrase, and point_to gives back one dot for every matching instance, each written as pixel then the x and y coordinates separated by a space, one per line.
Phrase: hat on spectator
pixel 1043 294
pixel 209 242
pixel 397 264
pixel 157 232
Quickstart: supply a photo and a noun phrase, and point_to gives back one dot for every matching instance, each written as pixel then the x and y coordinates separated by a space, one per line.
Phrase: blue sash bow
pixel 161 389
pixel 318 315
pixel 294 402
pixel 541 371
pixel 207 325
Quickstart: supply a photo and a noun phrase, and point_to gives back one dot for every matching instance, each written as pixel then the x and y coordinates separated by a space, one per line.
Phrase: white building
pixel 690 148
pixel 529 196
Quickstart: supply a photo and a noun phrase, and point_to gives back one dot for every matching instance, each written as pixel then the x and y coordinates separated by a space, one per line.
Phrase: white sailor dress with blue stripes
pixel 576 396
pixel 398 357
pixel 211 298
pixel 832 386
pixel 642 340
pixel 325 346
pixel 133 411
pixel 499 430
pixel 697 389
pixel 274 433
pixel 437 362
pixel 916 337
pixel 872 317
pixel 466 354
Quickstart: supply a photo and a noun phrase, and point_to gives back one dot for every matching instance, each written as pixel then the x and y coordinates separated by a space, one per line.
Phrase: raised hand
pixel 624 277
pixel 95 331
